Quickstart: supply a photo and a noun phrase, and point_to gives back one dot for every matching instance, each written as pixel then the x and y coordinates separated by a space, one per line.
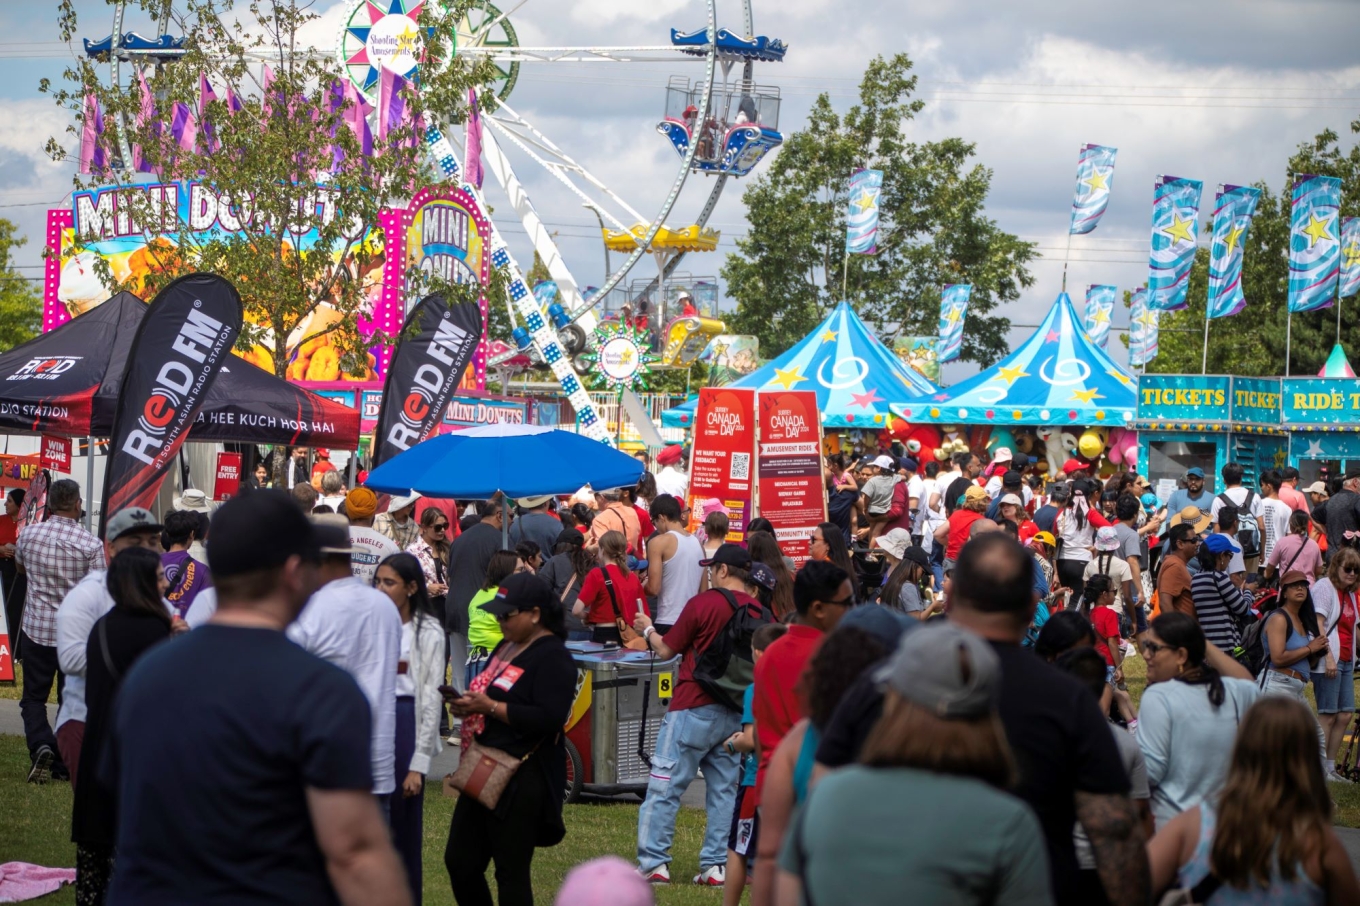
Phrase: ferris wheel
pixel 721 123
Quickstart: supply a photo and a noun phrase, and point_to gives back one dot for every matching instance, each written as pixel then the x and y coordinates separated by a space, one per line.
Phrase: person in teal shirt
pixel 939 751
pixel 484 633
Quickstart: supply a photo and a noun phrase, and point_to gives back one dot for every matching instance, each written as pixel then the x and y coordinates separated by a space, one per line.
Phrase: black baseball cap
pixel 570 536
pixel 518 593
pixel 729 555
pixel 1011 479
pixel 259 531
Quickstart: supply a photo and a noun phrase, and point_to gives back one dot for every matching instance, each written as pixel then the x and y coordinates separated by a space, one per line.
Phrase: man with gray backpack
pixel 713 634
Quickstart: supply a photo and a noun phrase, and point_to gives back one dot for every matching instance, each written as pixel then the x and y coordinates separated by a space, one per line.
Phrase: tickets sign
pixel 792 494
pixel 720 462
pixel 1320 401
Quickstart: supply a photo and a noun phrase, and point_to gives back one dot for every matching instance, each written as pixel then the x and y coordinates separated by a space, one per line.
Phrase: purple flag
pixel 234 101
pixel 184 128
pixel 356 115
pixel 266 82
pixel 146 119
pixel 472 166
pixel 206 96
pixel 93 157
pixel 391 105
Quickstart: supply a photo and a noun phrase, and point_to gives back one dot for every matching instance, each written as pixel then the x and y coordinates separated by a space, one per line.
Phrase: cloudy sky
pixel 1219 90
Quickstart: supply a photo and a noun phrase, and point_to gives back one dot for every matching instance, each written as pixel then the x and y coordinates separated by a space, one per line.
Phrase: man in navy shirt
pixel 241 762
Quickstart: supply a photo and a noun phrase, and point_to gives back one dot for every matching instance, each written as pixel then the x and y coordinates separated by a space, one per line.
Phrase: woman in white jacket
pixel 420 671
pixel 1334 599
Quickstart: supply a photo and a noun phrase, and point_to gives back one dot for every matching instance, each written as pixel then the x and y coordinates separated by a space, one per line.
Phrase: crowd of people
pixel 932 708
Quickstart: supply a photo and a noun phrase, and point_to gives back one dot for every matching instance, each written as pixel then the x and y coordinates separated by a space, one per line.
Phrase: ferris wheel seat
pixel 759 47
pixel 687 337
pixel 743 147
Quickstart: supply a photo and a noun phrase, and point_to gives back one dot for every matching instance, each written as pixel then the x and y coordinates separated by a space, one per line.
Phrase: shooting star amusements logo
pixel 178 385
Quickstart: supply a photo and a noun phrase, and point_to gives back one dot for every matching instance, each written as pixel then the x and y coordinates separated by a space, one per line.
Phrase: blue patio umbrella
pixel 517 460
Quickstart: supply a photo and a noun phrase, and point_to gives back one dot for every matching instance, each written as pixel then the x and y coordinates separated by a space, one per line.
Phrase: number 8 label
pixel 663 685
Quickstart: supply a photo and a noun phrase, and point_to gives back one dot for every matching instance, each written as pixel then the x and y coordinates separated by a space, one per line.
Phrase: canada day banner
pixel 181 344
pixel 438 341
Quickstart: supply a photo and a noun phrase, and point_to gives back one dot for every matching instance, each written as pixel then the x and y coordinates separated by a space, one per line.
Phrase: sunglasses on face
pixel 1150 648
pixel 1349 570
pixel 502 617
pixel 440 527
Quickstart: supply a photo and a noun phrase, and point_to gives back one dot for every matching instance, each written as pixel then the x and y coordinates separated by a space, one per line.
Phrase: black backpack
pixel 726 667
pixel 1251 653
pixel 1248 532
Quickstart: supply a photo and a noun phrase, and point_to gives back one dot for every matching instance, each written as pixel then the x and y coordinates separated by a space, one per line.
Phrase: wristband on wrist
pixel 647 633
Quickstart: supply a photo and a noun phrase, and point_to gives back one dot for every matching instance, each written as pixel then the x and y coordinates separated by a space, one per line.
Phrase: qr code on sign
pixel 741 466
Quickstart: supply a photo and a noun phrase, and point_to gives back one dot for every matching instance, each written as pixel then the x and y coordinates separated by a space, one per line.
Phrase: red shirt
pixel 1294 497
pixel 9 532
pixel 777 705
pixel 1345 628
pixel 700 622
pixel 627 589
pixel 644 520
pixel 960 524
pixel 1106 622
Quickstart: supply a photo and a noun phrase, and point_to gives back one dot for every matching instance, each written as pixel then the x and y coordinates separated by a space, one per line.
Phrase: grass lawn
pixel 37 828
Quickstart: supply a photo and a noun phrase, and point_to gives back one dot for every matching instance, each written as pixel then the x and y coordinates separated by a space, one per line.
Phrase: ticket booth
pixel 1323 419
pixel 1258 440
pixel 1208 420
pixel 1184 420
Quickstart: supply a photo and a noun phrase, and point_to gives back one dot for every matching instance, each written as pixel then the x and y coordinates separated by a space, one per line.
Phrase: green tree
pixel 787 273
pixel 277 172
pixel 20 303
pixel 1253 342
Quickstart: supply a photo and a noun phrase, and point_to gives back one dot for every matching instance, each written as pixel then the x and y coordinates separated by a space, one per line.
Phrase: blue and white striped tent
pixel 1057 377
pixel 856 377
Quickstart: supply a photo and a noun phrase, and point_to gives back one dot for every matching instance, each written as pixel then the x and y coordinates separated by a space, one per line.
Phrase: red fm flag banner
pixel 184 339
pixel 437 347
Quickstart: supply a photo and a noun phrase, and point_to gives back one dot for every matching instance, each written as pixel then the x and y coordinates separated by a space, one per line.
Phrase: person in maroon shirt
pixel 695 728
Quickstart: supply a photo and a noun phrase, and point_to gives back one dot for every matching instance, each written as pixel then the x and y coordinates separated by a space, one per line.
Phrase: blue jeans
pixel 690 740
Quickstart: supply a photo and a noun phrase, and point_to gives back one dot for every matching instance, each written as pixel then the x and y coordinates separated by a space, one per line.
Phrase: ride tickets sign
pixel 1320 401
pixel 792 493
pixel 720 461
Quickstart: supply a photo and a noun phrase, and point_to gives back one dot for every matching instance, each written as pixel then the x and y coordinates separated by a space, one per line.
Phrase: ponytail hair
pixel 1096 586
pixel 1180 630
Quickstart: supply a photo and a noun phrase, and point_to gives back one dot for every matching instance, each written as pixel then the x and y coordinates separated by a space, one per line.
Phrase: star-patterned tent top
pixel 855 376
pixel 1057 377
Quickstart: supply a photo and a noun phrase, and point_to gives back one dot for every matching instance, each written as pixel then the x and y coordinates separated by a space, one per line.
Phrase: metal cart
pixel 621 696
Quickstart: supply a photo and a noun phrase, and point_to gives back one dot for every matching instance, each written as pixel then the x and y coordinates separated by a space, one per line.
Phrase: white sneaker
pixel 659 875
pixel 712 876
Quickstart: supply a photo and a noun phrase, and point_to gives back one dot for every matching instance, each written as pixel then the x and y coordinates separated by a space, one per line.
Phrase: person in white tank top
pixel 673 555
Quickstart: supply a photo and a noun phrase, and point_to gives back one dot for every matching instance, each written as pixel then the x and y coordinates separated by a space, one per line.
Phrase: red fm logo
pixel 44 369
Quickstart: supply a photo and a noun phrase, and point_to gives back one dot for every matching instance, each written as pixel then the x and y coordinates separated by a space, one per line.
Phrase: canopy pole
pixel 845 277
pixel 89 479
pixel 1067 253
pixel 505 522
pixel 1338 312
pixel 1288 327
pixel 1204 359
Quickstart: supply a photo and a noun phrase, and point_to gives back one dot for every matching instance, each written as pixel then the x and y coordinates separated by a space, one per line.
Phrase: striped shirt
pixel 1217 600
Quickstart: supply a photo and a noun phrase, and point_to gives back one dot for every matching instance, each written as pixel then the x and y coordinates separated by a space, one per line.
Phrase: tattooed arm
pixel 1111 822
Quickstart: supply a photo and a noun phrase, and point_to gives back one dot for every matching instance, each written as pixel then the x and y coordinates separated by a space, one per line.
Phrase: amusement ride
pixel 721 124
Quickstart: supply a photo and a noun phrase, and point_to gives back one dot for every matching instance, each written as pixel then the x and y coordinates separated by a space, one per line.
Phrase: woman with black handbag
pixel 565 571
pixel 511 777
